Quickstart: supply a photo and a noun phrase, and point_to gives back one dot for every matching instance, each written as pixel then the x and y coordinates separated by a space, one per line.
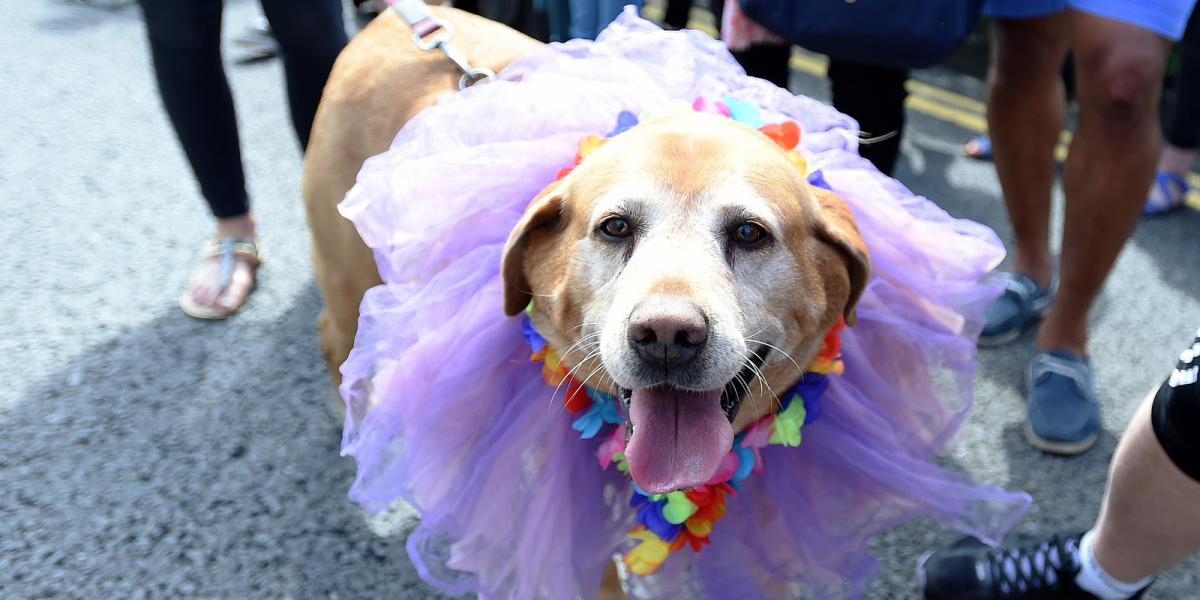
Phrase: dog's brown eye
pixel 749 234
pixel 616 227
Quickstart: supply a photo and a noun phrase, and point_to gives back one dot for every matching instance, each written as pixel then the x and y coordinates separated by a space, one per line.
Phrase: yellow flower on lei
pixel 646 557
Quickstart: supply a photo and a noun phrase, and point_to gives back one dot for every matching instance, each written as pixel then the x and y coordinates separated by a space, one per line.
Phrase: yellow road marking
pixel 957 100
pixel 931 107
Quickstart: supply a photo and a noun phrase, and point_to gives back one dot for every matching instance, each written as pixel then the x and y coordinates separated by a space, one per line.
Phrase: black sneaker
pixel 970 570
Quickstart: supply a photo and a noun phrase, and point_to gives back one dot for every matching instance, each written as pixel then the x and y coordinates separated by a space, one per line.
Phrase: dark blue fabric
pixel 893 33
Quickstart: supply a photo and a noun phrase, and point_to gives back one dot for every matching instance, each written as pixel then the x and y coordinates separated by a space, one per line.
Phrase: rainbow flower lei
pixel 667 523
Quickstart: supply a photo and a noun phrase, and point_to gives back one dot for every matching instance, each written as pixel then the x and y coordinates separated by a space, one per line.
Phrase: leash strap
pixel 431 33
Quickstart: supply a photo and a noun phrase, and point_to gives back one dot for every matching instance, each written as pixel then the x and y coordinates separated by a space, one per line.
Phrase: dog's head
pixel 685 266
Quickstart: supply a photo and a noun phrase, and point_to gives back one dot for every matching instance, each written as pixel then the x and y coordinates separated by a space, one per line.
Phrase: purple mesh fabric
pixel 446 412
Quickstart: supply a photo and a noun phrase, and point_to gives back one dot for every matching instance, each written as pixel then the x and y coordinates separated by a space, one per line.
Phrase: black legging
pixel 872 95
pixel 185 44
pixel 677 12
pixel 1183 127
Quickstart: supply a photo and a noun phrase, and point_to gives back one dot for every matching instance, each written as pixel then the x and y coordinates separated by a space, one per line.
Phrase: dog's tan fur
pixel 681 163
pixel 378 83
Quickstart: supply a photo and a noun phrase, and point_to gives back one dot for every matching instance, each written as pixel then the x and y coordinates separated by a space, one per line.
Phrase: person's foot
pixel 978 147
pixel 224 279
pixel 968 570
pixel 1168 193
pixel 1171 186
pixel 226 276
pixel 366 10
pixel 1024 302
pixel 255 42
pixel 1064 410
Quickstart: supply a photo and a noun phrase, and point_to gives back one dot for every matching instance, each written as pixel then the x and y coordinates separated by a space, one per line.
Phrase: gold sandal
pixel 227 251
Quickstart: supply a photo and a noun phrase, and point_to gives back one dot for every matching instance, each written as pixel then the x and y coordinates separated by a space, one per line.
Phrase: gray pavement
pixel 146 454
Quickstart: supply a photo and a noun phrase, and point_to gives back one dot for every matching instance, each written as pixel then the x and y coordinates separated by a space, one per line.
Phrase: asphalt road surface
pixel 144 454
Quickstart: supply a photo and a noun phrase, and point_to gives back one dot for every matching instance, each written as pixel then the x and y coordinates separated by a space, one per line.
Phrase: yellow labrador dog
pixel 688 256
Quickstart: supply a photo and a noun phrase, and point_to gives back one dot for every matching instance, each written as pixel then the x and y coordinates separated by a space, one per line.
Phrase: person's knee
pixel 1119 70
pixel 1123 91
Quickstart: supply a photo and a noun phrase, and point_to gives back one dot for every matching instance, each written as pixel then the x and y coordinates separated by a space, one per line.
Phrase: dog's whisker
pixel 761 329
pixel 592 353
pixel 588 349
pixel 582 325
pixel 774 396
pixel 587 336
pixel 762 386
pixel 583 342
pixel 590 375
pixel 746 360
pixel 746 387
pixel 557 388
pixel 779 350
pixel 762 378
pixel 570 373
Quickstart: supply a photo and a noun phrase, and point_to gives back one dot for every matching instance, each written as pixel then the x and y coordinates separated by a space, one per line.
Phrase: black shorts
pixel 1176 412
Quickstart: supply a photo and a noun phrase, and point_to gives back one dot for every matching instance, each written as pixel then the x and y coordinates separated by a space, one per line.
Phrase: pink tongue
pixel 679 438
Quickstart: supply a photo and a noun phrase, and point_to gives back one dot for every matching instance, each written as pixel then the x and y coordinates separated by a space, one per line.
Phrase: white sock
pixel 1093 578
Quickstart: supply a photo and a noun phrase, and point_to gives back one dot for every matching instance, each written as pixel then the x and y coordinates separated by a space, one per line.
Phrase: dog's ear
pixel 836 226
pixel 544 211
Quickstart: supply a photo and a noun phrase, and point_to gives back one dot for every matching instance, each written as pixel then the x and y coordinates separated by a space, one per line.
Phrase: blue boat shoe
pixel 1064 409
pixel 1023 303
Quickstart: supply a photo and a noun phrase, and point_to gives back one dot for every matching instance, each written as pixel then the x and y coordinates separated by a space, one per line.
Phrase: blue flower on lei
pixel 603 410
pixel 744 112
pixel 650 514
pixel 532 337
pixel 625 121
pixel 811 388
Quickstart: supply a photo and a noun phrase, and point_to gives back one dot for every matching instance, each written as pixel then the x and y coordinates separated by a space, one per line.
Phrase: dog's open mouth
pixel 678 438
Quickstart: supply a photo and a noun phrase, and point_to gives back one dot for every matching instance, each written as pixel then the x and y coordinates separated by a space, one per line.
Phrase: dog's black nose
pixel 667 331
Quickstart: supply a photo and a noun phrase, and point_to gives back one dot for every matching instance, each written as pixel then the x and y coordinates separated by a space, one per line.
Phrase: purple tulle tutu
pixel 446 412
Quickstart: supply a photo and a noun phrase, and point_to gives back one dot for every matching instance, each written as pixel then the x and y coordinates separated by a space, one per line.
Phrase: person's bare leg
pixel 1148 522
pixel 1150 519
pixel 1026 108
pixel 1119 71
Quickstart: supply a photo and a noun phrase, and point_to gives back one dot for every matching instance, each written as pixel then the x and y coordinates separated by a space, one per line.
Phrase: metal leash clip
pixel 432 33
